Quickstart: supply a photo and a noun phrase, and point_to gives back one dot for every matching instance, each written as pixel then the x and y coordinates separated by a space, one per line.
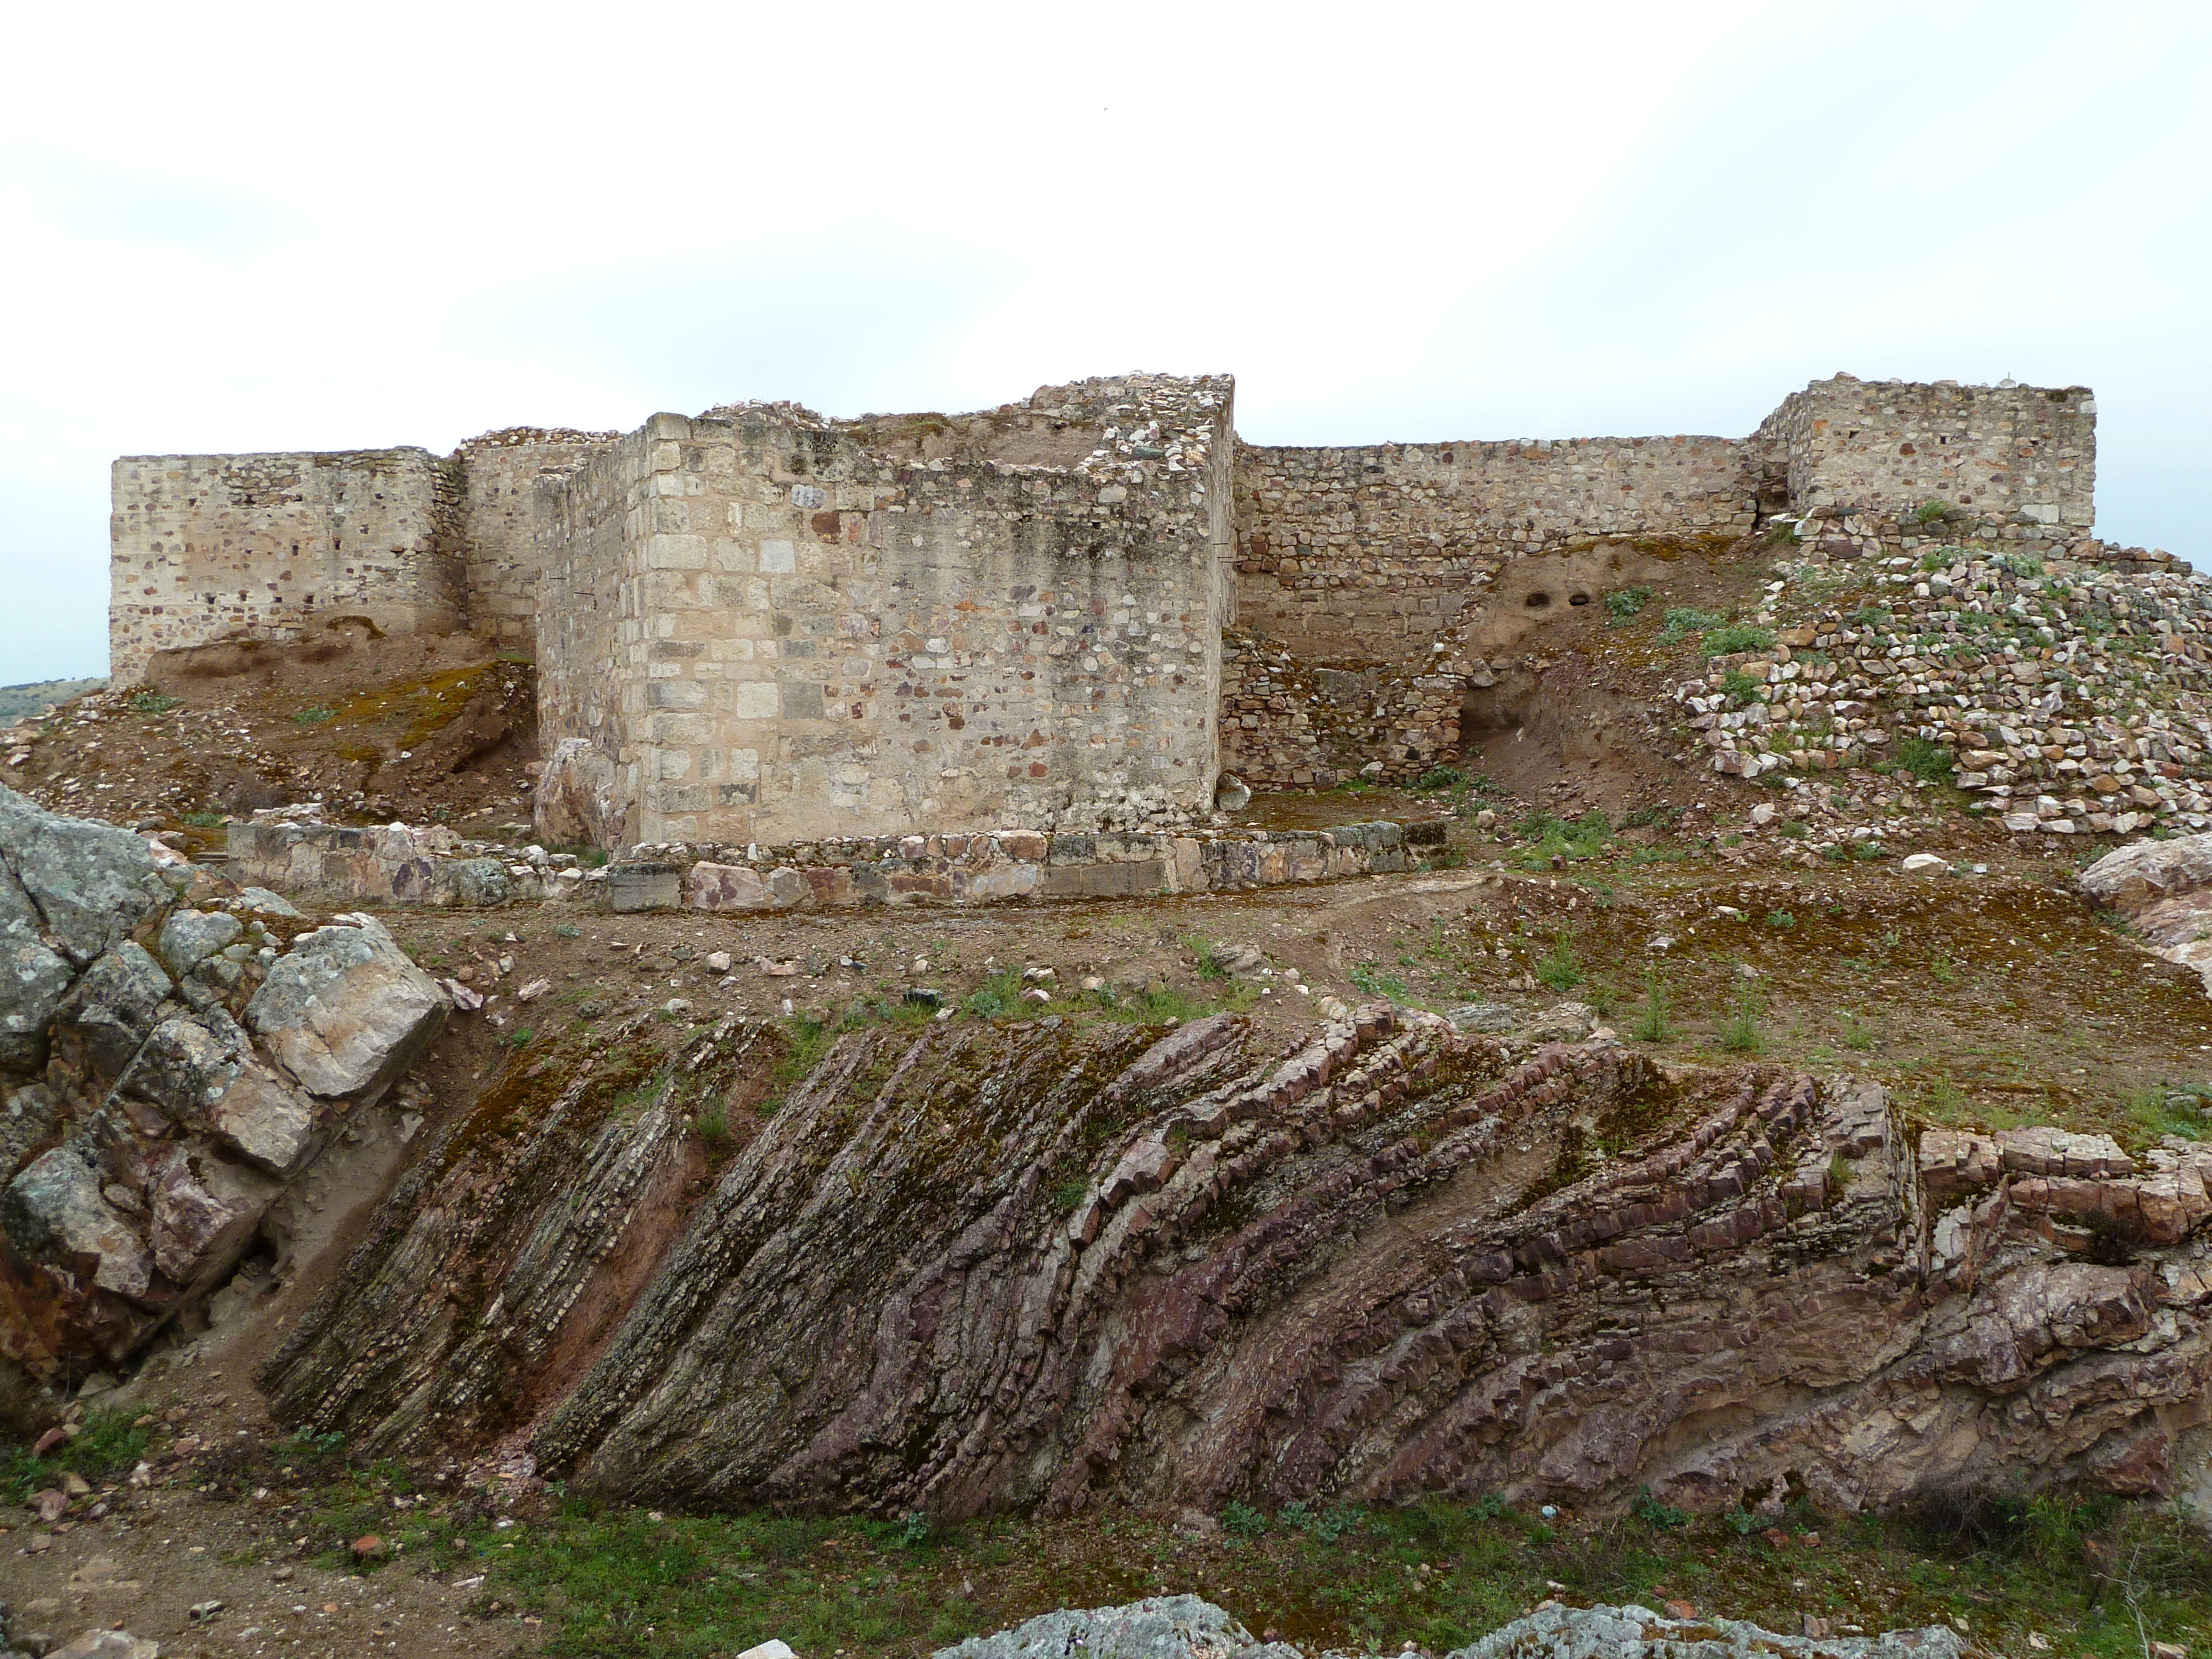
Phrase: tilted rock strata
pixel 164 1071
pixel 980 1268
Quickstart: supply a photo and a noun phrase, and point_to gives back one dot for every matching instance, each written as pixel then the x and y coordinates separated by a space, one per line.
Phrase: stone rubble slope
pixel 2071 698
pixel 1189 1627
pixel 173 1052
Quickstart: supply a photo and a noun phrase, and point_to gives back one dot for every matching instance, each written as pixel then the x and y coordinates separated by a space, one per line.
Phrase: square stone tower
pixel 760 625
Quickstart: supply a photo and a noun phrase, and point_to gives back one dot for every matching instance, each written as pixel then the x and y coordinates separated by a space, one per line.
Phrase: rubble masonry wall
pixel 2005 452
pixel 271 545
pixel 499 480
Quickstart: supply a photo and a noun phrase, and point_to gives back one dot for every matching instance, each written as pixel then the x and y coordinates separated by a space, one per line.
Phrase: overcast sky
pixel 228 228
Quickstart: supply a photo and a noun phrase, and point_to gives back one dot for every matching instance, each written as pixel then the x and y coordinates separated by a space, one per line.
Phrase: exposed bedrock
pixel 168 1064
pixel 973 1269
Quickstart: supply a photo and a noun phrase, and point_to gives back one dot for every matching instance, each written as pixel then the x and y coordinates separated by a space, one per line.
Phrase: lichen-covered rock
pixel 1158 1627
pixel 2135 877
pixel 91 883
pixel 190 936
pixel 141 1165
pixel 346 1013
pixel 54 1210
pixel 1634 1632
pixel 109 1012
pixel 1189 1627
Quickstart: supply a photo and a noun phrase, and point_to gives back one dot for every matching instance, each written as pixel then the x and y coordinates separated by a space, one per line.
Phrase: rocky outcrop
pixel 2164 890
pixel 577 802
pixel 165 1065
pixel 980 1268
pixel 1186 1627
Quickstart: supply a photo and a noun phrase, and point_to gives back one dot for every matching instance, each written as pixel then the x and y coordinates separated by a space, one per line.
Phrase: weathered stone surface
pixel 2135 877
pixel 184 1068
pixel 267 1124
pixel 110 1011
pixel 1635 1633
pixel 140 1166
pixel 98 1644
pixel 54 1210
pixel 1158 1627
pixel 91 883
pixel 577 802
pixel 190 936
pixel 346 1012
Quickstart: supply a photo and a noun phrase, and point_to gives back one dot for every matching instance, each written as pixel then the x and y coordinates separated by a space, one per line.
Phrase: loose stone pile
pixel 2069 697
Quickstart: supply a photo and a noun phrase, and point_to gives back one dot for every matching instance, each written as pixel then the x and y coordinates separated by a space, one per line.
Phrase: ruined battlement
pixel 765 624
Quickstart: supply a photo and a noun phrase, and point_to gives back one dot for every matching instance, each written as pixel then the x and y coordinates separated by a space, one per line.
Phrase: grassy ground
pixel 2090 1578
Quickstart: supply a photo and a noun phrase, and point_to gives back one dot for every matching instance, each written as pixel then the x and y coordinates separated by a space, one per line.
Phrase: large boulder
pixel 1186 1627
pixel 346 1013
pixel 91 883
pixel 2164 888
pixel 1157 1627
pixel 2135 877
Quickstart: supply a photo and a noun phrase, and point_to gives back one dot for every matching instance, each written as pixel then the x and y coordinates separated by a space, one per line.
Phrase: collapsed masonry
pixel 763 626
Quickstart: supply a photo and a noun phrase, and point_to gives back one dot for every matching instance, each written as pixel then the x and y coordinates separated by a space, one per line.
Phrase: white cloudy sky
pixel 232 228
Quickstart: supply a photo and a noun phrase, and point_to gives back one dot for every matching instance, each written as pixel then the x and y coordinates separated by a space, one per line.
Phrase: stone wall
pixel 2004 452
pixel 820 632
pixel 394 864
pixel 1368 554
pixel 500 472
pixel 205 546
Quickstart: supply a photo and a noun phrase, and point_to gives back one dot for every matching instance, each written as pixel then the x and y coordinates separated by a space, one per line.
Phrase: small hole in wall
pixel 1579 598
pixel 1537 600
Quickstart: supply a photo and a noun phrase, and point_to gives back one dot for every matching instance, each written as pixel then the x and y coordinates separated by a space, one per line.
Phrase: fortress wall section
pixel 586 624
pixel 499 473
pixel 818 640
pixel 2008 453
pixel 1369 553
pixel 271 545
pixel 1354 564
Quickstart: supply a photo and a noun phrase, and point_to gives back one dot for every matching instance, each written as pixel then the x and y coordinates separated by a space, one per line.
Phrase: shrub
pixel 1781 919
pixel 1244 1520
pixel 1626 602
pixel 1738 1031
pixel 1932 761
pixel 1000 994
pixel 1737 637
pixel 155 703
pixel 1739 687
pixel 1683 621
pixel 1440 777
pixel 1933 510
pixel 315 716
pixel 1560 970
pixel 1364 977
pixel 1655 1514
pixel 1655 1024
pixel 204 820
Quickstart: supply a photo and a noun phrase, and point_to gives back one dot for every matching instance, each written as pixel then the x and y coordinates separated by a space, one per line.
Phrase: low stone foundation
pixel 395 864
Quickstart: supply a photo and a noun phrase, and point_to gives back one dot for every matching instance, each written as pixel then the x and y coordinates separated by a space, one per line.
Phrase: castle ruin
pixel 761 625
